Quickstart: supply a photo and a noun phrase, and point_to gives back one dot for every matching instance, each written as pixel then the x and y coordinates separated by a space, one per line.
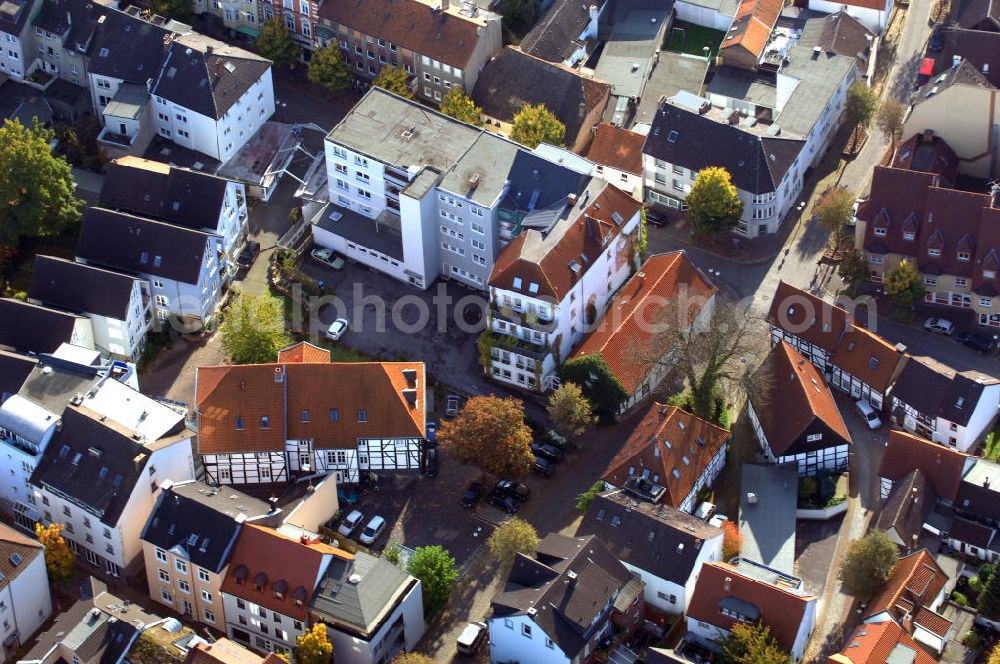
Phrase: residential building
pixel 513 78
pixel 667 287
pixel 268 587
pixel 916 587
pixel 977 45
pixel 118 306
pixel 750 33
pixel 852 359
pixel 25 601
pixel 417 195
pixel 32 328
pixel 798 420
pixel 556 279
pixel 440 46
pixel 224 651
pixel 663 547
pixel 303 352
pixel 565 34
pixel 541 615
pixel 181 265
pixel 906 509
pixel 14 370
pixel 843 34
pixel 951 236
pixel 878 643
pixel 669 457
pixel 100 474
pixel 372 609
pixel 182 197
pixel 240 17
pixel 726 595
pixel 617 153
pixel 18 57
pixel 873 14
pixel 186 544
pixel 947 406
pixel 265 423
pixel 714 14
pixel 942 467
pixel 63 30
pixel 767 514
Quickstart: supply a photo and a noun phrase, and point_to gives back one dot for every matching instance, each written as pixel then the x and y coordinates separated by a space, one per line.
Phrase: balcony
pixel 528 319
pixel 114 138
pixel 519 347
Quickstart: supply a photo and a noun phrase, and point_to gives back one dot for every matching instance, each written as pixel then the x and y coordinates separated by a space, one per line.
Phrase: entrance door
pixel 304 464
pixel 187 608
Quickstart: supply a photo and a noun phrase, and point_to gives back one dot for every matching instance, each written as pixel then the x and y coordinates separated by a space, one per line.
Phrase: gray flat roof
pixel 628 53
pixel 768 524
pixel 819 79
pixel 382 235
pixel 490 158
pixel 403 133
pixel 420 185
pixel 129 102
pixel 674 72
pixel 759 89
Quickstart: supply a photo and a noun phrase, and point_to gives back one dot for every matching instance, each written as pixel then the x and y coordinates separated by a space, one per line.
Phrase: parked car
pixel 543 467
pixel 373 530
pixel 504 502
pixel 706 511
pixel 431 463
pixel 936 42
pixel 939 326
pixel 978 341
pixel 471 638
pixel 432 434
pixel 550 452
pixel 336 329
pixel 249 254
pixel 853 221
pixel 516 490
pixel 472 493
pixel 868 414
pixel 349 524
pixel 327 257
pixel 452 405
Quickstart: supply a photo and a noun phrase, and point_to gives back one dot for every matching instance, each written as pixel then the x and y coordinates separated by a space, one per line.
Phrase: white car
pixel 868 414
pixel 372 531
pixel 471 638
pixel 336 329
pixel 939 326
pixel 327 257
pixel 348 525
pixel 706 511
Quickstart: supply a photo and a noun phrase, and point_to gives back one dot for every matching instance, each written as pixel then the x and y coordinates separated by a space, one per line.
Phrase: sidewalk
pixel 742 252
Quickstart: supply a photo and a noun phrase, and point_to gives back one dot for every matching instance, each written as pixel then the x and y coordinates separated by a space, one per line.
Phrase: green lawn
pixel 691 39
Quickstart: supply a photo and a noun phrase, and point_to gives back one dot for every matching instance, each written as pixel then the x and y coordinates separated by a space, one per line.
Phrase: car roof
pixel 354 514
pixel 376 521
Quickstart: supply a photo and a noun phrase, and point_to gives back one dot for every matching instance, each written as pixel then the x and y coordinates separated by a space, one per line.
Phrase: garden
pixel 823 491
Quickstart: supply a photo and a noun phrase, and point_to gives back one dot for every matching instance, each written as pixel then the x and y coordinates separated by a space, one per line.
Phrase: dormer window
pixel 909 236
pixel 265 422
pixel 517 282
pixel 239 423
pixel 879 231
pixel 964 256
pixel 933 252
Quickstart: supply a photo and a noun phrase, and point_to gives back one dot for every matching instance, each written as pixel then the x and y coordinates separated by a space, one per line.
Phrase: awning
pixel 248 31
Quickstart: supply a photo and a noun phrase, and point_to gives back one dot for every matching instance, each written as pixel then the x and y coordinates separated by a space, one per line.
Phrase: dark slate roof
pixel 53 382
pixel 970 532
pixel 95 463
pixel 537 183
pixel 757 164
pixel 120 241
pixel 910 501
pixel 72 18
pixel 512 79
pixel 977 14
pixel 75 287
pixel 30 328
pixel 935 389
pixel 181 196
pixel 14 371
pixel 379 585
pixel 979 47
pixel 207 76
pixel 202 521
pixel 556 34
pixel 13 22
pixel 126 47
pixel 657 539
pixel 979 491
pixel 567 583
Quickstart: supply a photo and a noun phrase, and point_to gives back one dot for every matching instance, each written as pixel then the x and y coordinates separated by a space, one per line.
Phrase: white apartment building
pixel 25 600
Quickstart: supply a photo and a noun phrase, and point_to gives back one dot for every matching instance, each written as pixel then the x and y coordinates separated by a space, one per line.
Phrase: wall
pixel 873 19
pixel 351 649
pixel 28 594
pixel 972 139
pixel 248 620
pixel 317 507
pixel 707 477
pixel 628 182
pixel 508 643
pixel 195 578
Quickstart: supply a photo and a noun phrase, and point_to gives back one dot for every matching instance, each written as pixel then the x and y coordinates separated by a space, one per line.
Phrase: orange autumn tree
pixel 490 433
pixel 732 541
pixel 59 558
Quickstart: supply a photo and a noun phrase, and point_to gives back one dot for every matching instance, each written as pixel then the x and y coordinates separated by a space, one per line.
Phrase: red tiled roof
pixel 934 623
pixel 303 352
pixel 630 320
pixel 544 260
pixel 674 445
pixel 617 148
pixel 752 25
pixel 781 608
pixel 866 4
pixel 871 644
pixel 262 554
pixel 797 400
pixel 868 357
pixel 927 153
pixel 942 466
pixel 914 582
pixel 251 391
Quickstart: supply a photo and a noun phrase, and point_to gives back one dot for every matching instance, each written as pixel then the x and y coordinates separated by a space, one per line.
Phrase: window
pixel 209 616
pixel 240 604
pixel 305 416
pixel 909 236
pixel 203 575
pixel 362 415
pixel 162 301
pixel 239 423
pixel 679 170
pixel 875 259
pixel 549 644
pixel 265 422
pixel 960 282
pixel 184 585
pixel 989 274
pixel 107 533
pixel 161 555
pixel 964 256
pixel 930 281
pixel 334 414
pixel 165 595
pixel 526 630
pixel 206 596
pixel 985 302
pixel 67 511
pixel 163 576
pixel 879 231
pixel 181 565
pixel 931 252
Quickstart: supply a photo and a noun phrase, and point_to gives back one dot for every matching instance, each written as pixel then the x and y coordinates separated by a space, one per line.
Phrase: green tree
pixel 460 106
pixel 537 124
pixel 752 644
pixel 313 646
pixel 853 268
pixel 253 329
pixel 395 80
pixel 36 189
pixel 584 499
pixel 276 43
pixel 889 118
pixel 642 242
pixel 904 284
pixel 867 565
pixel 714 206
pixel 59 558
pixel 520 15
pixel 392 553
pixel 862 102
pixel 570 411
pixel 327 68
pixel 179 10
pixel 989 599
pixel 435 568
pixel 602 388
pixel 491 434
pixel 510 538
pixel 834 210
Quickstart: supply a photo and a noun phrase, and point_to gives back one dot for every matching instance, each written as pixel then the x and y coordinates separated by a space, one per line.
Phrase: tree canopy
pixel 520 15
pixel 313 646
pixel 276 43
pixel 435 568
pixel 584 499
pixel 602 388
pixel 510 538
pixel 535 124
pixel 867 565
pixel 59 558
pixel 714 206
pixel 732 540
pixel 327 68
pixel 395 80
pixel 989 599
pixel 460 106
pixel 834 210
pixel 904 284
pixel 412 658
pixel 753 644
pixel 491 434
pixel 853 268
pixel 37 188
pixel 889 118
pixel 253 329
pixel 570 410
pixel 861 104
pixel 179 10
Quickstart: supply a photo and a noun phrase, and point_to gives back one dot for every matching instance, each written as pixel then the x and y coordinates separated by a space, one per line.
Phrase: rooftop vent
pixel 751 498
